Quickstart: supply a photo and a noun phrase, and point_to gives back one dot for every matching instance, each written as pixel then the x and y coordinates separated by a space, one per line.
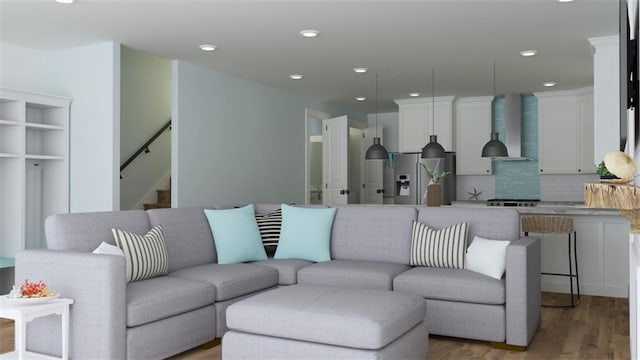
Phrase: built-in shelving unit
pixel 34 166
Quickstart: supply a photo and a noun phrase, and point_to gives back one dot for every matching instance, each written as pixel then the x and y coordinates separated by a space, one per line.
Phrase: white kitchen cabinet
pixel 603 265
pixel 565 132
pixel 472 131
pixel 34 166
pixel 415 123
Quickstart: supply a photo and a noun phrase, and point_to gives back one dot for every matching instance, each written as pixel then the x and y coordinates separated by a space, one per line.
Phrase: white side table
pixel 23 313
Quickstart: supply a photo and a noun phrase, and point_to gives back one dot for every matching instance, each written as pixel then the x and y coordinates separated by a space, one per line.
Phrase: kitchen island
pixel 602 245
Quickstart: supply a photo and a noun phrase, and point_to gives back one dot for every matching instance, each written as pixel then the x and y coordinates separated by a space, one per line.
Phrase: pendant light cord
pixel 433 100
pixel 376 104
pixel 494 95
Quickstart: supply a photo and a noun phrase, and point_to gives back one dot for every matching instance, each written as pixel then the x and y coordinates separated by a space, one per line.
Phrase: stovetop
pixel 513 202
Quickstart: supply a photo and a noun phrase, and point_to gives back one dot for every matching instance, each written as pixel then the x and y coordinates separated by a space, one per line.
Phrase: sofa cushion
pixel 498 224
pixel 439 247
pixel 85 231
pixel 231 280
pixel 145 255
pixel 352 273
pixel 451 284
pixel 236 235
pixel 186 234
pixel 372 233
pixel 357 318
pixel 287 269
pixel 162 297
pixel 305 233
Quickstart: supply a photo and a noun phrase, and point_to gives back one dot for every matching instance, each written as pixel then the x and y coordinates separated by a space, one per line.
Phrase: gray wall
pixel 237 141
pixel 145 108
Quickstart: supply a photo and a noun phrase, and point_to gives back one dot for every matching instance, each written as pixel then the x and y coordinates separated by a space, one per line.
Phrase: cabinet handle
pixel 541 170
pixel 488 171
pixel 579 170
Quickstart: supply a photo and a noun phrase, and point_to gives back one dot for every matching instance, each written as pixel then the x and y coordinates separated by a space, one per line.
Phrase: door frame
pixel 309 115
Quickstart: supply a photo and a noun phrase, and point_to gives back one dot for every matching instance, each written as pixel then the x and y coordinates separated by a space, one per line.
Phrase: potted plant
pixel 604 172
pixel 433 194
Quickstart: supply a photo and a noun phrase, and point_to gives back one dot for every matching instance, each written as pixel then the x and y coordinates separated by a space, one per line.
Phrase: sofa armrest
pixel 97 285
pixel 523 290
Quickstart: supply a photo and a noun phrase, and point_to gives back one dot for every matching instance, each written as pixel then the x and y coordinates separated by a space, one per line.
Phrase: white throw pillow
pixel 488 257
pixel 108 249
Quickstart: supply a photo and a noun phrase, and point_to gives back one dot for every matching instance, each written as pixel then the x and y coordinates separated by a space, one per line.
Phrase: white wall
pixel 90 75
pixel 606 95
pixel 236 141
pixel 390 132
pixel 146 107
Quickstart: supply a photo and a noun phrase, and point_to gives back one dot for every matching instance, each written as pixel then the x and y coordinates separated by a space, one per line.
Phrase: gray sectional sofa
pixel 370 248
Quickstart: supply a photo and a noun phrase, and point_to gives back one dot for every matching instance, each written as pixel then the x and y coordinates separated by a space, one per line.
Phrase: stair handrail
pixel 145 146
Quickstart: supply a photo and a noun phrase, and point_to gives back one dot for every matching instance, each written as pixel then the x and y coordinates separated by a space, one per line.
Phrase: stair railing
pixel 145 147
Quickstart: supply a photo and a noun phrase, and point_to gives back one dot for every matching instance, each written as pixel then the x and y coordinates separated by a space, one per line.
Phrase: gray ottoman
pixel 318 322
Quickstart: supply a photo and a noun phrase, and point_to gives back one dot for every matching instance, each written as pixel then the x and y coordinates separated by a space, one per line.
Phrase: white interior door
pixel 335 135
pixel 372 186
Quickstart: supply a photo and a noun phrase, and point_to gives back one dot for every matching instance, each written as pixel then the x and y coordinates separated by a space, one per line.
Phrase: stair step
pixel 164 196
pixel 156 206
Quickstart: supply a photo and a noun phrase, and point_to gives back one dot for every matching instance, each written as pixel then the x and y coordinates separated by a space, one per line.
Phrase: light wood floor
pixel 597 329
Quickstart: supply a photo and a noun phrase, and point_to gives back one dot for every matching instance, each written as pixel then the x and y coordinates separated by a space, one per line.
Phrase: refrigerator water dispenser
pixel 403 185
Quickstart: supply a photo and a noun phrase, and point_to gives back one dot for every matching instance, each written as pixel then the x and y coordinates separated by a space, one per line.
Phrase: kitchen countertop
pixel 544 208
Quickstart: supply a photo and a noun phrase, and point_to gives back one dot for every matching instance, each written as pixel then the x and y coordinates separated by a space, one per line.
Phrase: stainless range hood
pixel 513 127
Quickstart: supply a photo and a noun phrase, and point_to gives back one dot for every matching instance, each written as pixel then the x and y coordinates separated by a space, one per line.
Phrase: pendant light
pixel 433 150
pixel 494 148
pixel 376 151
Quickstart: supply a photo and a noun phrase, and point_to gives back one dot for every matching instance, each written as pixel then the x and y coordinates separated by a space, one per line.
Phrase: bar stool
pixel 555 224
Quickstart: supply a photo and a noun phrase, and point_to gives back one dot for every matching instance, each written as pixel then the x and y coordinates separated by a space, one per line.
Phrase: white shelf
pixel 43 157
pixel 9 123
pixel 10 155
pixel 38 126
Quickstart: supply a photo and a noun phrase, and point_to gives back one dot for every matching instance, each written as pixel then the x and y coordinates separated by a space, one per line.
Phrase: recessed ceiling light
pixel 295 76
pixel 360 70
pixel 528 52
pixel 414 94
pixel 549 83
pixel 361 98
pixel 207 47
pixel 65 1
pixel 310 33
pixel 565 0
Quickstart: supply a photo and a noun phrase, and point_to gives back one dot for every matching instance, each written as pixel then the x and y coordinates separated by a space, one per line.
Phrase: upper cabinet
pixel 415 123
pixel 565 132
pixel 473 126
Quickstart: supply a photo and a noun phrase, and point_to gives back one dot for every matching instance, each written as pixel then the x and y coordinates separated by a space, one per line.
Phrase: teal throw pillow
pixel 305 233
pixel 236 235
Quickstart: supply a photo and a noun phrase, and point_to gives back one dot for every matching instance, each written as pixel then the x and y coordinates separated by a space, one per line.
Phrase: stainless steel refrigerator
pixel 410 179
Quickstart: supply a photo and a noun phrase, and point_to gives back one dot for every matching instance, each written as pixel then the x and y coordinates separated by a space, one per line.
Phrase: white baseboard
pixel 586 289
pixel 164 183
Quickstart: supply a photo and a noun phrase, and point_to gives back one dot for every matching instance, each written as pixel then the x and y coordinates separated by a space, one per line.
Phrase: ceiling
pixel 400 40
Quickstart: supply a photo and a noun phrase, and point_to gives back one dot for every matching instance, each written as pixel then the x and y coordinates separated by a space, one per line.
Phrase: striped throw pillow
pixel 443 248
pixel 269 226
pixel 145 255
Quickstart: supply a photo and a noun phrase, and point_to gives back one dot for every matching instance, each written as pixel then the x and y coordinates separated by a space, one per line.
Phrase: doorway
pixel 313 150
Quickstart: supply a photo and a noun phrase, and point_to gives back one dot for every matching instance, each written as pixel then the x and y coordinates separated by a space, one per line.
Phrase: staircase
pixel 163 200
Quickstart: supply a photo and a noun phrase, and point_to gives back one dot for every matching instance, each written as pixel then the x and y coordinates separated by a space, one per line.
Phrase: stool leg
pixel 570 271
pixel 575 257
